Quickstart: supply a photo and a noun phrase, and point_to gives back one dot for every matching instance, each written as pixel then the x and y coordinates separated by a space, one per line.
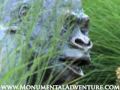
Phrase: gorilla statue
pixel 72 30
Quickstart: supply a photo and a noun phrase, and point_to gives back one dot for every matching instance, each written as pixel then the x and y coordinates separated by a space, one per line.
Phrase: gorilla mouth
pixel 76 70
pixel 76 65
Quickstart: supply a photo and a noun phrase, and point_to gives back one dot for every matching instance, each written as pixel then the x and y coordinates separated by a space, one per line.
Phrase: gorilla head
pixel 75 43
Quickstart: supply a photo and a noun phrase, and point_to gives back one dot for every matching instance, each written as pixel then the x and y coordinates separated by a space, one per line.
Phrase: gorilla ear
pixel 23 9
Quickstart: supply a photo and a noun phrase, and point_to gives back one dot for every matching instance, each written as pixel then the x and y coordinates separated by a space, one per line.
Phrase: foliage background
pixel 105 33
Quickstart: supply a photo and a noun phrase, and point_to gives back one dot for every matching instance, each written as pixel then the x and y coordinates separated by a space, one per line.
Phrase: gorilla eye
pixel 84 25
pixel 70 21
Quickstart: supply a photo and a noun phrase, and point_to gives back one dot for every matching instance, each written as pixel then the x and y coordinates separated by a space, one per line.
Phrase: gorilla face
pixel 75 51
pixel 79 43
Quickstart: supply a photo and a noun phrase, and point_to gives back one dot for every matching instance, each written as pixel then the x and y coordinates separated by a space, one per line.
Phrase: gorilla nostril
pixel 89 43
pixel 79 41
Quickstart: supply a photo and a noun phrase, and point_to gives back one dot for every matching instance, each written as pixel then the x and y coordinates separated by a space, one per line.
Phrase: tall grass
pixel 104 31
pixel 105 55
